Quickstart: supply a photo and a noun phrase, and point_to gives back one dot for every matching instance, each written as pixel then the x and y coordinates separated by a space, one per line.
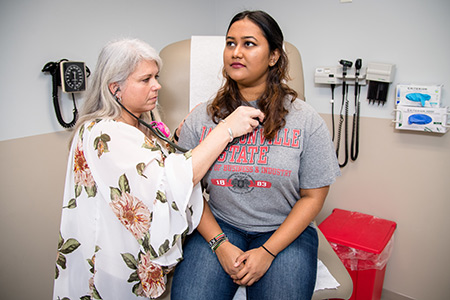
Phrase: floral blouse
pixel 128 203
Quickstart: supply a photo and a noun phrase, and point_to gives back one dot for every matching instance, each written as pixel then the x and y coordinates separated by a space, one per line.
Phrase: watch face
pixel 73 76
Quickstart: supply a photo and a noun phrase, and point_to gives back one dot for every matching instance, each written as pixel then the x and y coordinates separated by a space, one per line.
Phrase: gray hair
pixel 116 61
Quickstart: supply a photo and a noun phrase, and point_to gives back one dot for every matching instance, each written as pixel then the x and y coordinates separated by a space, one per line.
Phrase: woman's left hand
pixel 256 263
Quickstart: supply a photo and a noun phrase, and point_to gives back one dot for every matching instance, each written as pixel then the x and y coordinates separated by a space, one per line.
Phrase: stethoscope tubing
pixel 152 128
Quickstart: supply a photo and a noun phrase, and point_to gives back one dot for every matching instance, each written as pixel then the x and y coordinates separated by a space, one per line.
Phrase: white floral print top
pixel 128 203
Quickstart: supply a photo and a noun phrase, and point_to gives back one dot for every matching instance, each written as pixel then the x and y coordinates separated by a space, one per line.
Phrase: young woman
pixel 129 200
pixel 267 187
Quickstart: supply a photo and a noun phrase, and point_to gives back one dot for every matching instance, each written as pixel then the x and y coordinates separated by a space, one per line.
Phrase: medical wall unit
pixel 364 244
pixel 338 74
pixel 377 76
pixel 418 108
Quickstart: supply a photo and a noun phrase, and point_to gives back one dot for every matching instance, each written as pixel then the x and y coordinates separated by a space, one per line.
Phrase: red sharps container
pixel 364 244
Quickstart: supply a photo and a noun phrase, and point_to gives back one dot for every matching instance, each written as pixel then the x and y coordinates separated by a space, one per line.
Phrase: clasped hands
pixel 245 268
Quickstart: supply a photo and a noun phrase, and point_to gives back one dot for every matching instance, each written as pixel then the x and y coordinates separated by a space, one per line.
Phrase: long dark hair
pixel 271 102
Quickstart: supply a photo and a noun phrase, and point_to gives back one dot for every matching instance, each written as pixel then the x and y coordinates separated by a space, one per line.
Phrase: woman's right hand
pixel 243 120
pixel 227 254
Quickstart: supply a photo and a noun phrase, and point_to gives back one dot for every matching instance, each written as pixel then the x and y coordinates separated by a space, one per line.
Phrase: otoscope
pixel 345 64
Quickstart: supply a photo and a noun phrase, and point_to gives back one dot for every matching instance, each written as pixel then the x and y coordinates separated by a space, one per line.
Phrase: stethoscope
pixel 155 130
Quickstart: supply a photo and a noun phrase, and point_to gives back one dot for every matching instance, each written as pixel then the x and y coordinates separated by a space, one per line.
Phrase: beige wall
pixel 401 176
pixel 31 187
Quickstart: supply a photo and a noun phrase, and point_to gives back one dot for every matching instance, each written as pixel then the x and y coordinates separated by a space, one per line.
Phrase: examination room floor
pixel 388 295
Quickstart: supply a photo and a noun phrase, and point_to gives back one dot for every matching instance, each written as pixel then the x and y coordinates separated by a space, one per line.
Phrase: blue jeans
pixel 292 274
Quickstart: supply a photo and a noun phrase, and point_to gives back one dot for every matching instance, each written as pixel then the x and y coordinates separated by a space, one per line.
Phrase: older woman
pixel 129 200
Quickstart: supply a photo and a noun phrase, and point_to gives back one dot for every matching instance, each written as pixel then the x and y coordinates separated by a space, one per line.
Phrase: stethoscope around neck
pixel 155 130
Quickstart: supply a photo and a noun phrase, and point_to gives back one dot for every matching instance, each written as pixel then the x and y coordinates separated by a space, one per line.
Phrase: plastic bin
pixel 364 244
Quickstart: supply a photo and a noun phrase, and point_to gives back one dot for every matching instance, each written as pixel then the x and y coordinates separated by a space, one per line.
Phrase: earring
pixel 118 98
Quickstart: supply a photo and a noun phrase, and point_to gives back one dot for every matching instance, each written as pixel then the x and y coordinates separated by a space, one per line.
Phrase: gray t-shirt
pixel 255 182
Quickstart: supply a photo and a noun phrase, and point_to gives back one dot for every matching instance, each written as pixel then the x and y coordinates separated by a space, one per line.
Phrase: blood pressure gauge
pixel 73 76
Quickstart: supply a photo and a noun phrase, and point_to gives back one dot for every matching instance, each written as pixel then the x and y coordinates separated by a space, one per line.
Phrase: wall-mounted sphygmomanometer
pixel 71 77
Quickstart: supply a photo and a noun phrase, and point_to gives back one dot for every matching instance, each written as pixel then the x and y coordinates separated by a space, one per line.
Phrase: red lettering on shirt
pixel 262 158
pixel 295 138
pixel 286 140
pixel 221 182
pixel 242 158
pixel 260 184
pixel 252 150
